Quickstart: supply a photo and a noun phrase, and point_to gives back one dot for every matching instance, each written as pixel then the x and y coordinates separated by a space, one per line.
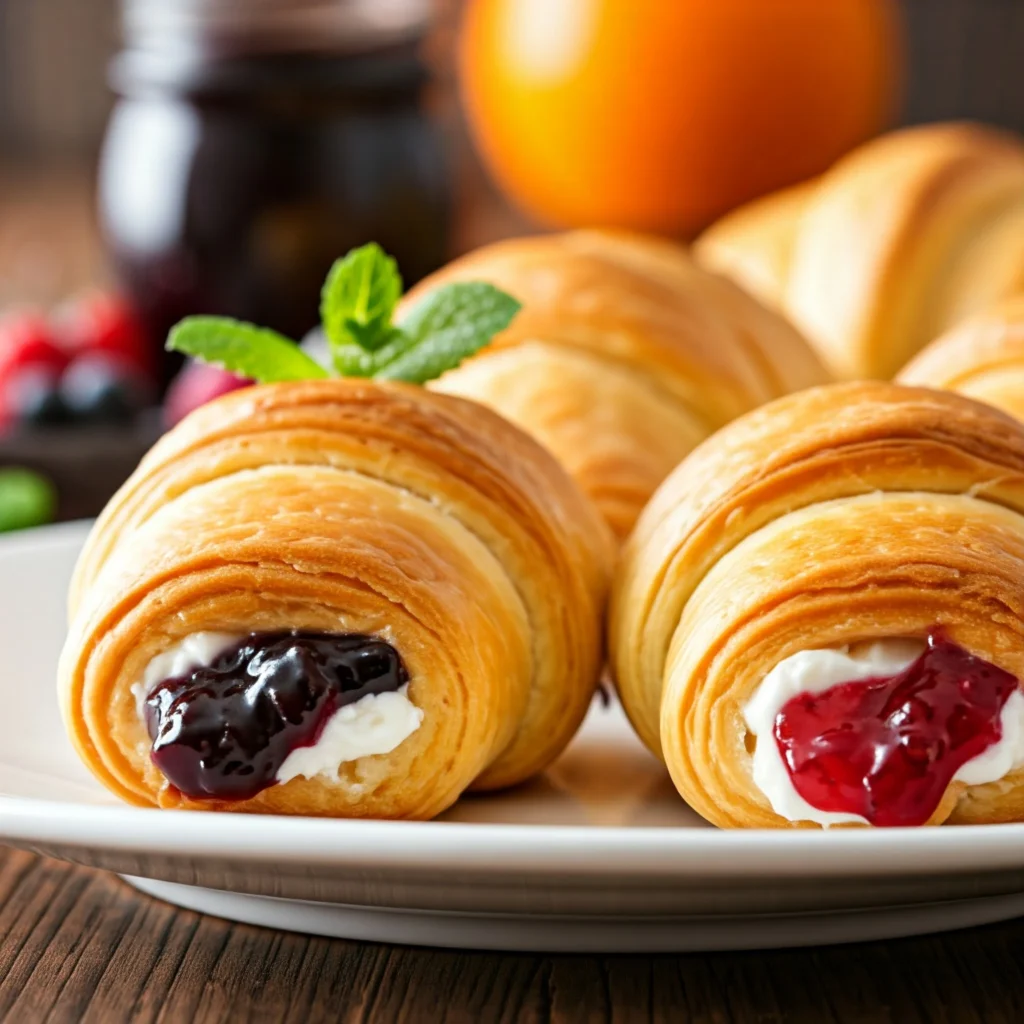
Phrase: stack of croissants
pixel 772 485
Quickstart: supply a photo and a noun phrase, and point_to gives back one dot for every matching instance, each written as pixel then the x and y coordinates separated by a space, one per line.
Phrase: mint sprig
pixel 357 307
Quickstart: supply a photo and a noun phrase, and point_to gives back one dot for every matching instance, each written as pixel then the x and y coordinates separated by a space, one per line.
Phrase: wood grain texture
pixel 79 945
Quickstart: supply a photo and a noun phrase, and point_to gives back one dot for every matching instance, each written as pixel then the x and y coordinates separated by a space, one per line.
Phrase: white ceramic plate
pixel 599 854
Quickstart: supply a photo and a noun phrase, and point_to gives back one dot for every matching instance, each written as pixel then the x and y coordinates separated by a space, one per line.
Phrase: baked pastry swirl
pixel 982 357
pixel 624 356
pixel 810 561
pixel 291 554
pixel 896 243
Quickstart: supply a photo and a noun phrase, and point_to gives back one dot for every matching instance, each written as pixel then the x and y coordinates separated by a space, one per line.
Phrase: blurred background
pixel 166 157
pixel 963 59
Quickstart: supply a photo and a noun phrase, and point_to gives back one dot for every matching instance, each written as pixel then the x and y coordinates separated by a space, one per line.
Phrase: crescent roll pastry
pixel 982 357
pixel 624 356
pixel 897 242
pixel 334 597
pixel 819 618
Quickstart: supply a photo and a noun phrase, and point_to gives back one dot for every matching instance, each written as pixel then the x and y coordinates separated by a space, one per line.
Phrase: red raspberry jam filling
pixel 224 730
pixel 887 748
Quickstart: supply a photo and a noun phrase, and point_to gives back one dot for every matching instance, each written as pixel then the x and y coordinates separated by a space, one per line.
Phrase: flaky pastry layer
pixel 982 357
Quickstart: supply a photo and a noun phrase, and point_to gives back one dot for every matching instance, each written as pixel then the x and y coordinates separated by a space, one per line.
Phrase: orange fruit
pixel 662 115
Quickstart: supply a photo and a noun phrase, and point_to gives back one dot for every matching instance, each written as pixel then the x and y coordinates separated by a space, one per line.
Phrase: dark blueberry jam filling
pixel 224 730
pixel 887 748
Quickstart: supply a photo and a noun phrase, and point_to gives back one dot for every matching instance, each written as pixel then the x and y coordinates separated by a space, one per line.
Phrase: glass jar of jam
pixel 254 141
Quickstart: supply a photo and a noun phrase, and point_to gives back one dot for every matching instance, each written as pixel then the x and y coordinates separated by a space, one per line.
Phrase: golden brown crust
pixel 897 242
pixel 844 513
pixel 982 357
pixel 371 508
pixel 624 355
pixel 754 243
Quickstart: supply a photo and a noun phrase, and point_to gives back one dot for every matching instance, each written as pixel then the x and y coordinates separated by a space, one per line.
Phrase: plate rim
pixel 485 848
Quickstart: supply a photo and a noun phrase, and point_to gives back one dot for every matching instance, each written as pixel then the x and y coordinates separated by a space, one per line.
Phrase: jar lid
pixel 253 27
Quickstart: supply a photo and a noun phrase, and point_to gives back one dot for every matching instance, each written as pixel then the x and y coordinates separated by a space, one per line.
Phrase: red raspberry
pixel 27 340
pixel 29 354
pixel 99 322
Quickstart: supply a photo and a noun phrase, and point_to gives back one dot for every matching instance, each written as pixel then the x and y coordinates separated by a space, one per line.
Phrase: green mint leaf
pixel 26 499
pixel 359 298
pixel 255 352
pixel 447 327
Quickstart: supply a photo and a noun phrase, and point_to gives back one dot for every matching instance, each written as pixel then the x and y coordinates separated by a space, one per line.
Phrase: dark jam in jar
pixel 250 148
pixel 887 748
pixel 224 730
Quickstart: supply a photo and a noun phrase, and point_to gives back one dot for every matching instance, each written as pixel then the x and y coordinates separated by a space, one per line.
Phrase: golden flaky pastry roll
pixel 891 247
pixel 624 356
pixel 982 357
pixel 820 616
pixel 336 598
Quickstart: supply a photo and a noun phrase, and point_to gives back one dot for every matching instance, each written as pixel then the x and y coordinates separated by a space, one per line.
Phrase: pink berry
pixel 196 385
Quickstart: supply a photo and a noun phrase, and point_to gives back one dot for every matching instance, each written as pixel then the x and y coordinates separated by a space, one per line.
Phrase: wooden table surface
pixel 80 945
